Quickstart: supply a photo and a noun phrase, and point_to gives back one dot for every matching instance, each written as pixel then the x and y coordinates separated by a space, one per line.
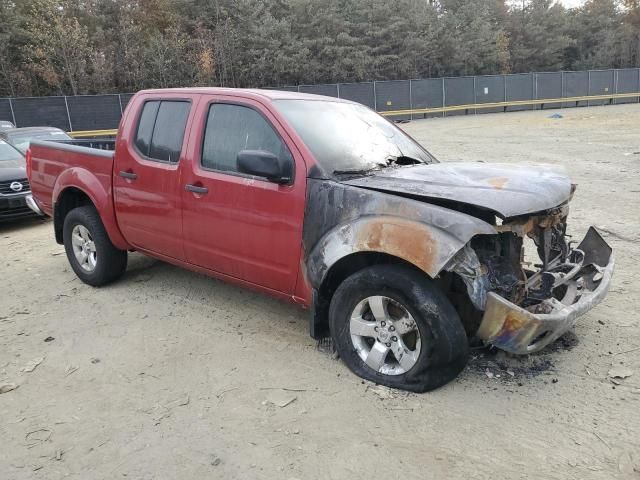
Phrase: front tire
pixel 89 250
pixel 393 326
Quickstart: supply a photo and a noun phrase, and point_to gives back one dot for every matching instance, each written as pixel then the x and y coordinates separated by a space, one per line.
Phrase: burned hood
pixel 508 190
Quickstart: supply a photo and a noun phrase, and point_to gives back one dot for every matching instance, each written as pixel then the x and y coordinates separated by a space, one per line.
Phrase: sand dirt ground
pixel 167 374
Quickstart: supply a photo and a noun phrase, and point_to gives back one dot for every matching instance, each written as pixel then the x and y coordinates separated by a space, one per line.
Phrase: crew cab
pixel 401 260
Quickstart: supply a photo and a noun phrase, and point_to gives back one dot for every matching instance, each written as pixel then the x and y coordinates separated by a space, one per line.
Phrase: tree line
pixel 53 47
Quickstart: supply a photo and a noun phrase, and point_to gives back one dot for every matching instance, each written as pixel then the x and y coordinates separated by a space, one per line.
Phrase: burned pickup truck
pixel 400 259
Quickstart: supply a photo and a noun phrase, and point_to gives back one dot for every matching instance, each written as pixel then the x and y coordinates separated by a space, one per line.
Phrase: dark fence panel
pixel 628 81
pixel 548 85
pixel 427 93
pixel 519 86
pixel 99 112
pixel 576 84
pixel 327 89
pixel 5 110
pixel 490 89
pixel 124 99
pixel 286 88
pixel 41 111
pixel 601 82
pixel 359 92
pixel 394 95
pixel 458 91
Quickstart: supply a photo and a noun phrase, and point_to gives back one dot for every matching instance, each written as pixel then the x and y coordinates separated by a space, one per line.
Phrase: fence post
pixel 120 103
pixel 13 115
pixel 375 97
pixel 504 84
pixel 444 96
pixel 475 95
pixel 562 88
pixel 410 100
pixel 338 89
pixel 534 86
pixel 66 104
pixel 615 85
pixel 588 86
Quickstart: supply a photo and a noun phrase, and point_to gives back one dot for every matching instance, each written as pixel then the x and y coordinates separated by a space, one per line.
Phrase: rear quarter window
pixel 161 128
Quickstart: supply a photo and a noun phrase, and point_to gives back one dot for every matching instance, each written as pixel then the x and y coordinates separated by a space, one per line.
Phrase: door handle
pixel 128 175
pixel 195 189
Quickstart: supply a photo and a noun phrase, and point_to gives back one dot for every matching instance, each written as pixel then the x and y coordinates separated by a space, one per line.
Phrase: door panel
pixel 147 178
pixel 243 226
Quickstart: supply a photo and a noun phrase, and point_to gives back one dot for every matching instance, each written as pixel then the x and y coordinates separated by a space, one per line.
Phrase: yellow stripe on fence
pixel 93 133
pixel 514 103
pixel 453 108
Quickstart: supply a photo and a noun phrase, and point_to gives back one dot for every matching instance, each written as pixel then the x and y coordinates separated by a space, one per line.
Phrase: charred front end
pixel 531 281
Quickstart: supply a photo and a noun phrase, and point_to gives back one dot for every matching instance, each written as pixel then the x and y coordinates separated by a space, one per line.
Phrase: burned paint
pixel 342 219
pixel 498 182
pixel 517 190
pixel 401 238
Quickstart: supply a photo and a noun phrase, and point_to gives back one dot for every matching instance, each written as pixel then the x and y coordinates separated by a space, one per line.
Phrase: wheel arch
pixel 336 274
pixel 78 187
pixel 372 240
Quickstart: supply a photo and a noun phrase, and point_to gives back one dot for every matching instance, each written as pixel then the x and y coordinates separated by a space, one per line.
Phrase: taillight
pixel 28 160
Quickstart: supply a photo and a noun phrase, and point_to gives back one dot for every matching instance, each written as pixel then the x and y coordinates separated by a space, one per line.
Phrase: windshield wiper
pixel 403 160
pixel 355 171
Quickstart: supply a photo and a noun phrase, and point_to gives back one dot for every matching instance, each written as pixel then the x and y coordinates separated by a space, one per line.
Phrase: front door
pixel 239 225
pixel 147 177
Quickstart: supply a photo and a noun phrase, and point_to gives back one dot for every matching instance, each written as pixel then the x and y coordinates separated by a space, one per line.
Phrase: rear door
pixel 147 181
pixel 236 224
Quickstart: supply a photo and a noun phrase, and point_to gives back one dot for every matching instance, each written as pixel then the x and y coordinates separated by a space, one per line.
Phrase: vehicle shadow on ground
pixel 13 226
pixel 143 270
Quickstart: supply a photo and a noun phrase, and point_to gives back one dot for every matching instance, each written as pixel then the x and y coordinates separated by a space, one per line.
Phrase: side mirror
pixel 262 164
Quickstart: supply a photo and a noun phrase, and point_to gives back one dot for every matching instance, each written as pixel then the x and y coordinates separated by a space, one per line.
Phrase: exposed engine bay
pixel 514 291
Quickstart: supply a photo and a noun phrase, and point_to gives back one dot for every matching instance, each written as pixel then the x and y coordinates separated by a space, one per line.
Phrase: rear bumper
pixel 516 330
pixel 33 205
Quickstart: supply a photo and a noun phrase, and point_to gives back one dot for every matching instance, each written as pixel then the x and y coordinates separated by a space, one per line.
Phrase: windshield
pixel 21 141
pixel 8 153
pixel 350 138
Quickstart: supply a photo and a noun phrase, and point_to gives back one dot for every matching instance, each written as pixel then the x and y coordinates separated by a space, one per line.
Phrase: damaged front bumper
pixel 585 283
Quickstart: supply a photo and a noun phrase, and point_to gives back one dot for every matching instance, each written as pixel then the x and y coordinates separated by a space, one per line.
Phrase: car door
pixel 239 225
pixel 147 174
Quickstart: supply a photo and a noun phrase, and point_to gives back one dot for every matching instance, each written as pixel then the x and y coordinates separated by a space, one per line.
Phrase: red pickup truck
pixel 401 259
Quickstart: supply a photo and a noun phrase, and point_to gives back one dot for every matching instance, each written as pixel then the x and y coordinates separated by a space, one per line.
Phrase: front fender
pixel 96 186
pixel 345 220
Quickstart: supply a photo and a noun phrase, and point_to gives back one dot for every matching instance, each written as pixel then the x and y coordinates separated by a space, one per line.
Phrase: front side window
pixel 233 128
pixel 161 129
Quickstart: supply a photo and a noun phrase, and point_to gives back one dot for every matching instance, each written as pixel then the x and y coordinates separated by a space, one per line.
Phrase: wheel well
pixel 69 199
pixel 340 271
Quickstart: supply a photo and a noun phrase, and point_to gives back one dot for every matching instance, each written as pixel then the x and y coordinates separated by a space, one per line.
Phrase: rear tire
pixel 417 344
pixel 89 250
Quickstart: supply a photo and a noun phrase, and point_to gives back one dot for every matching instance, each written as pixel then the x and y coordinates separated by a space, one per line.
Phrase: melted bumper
pixel 516 330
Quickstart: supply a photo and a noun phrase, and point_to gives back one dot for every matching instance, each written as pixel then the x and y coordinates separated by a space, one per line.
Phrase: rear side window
pixel 161 129
pixel 232 128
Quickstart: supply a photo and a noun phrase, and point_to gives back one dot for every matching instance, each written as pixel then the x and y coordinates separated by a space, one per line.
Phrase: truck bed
pixel 52 162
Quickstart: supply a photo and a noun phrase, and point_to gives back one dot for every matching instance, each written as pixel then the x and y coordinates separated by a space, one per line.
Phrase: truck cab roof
pixel 255 93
